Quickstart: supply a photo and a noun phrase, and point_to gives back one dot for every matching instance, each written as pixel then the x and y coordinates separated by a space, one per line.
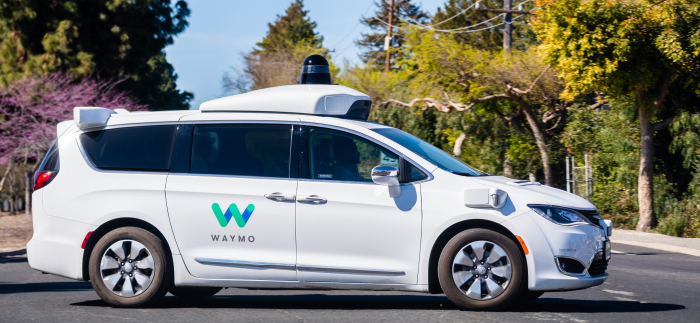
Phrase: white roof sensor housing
pixel 316 99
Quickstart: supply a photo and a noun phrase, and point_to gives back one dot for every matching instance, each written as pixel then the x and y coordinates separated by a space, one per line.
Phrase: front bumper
pixel 547 241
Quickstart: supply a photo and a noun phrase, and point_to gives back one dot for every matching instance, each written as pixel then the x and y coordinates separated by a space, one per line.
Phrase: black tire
pixel 162 271
pixel 194 292
pixel 445 268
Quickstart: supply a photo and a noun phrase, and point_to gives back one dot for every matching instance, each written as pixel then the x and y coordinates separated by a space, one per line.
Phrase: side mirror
pixel 389 176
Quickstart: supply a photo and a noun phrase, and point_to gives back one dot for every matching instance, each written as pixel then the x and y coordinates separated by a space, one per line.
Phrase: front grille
pixel 591 215
pixel 598 268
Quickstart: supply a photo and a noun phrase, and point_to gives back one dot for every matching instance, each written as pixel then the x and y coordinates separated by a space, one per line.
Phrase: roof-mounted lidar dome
pixel 315 70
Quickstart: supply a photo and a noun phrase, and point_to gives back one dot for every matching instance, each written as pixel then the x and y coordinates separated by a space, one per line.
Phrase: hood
pixel 533 193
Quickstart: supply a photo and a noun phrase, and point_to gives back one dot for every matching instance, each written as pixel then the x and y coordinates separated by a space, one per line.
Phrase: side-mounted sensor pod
pixel 485 197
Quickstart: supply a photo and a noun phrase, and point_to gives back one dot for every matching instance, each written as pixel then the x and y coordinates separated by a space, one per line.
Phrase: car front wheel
pixel 480 269
pixel 129 268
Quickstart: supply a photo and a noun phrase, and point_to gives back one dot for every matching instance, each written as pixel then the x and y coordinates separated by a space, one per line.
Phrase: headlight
pixel 560 215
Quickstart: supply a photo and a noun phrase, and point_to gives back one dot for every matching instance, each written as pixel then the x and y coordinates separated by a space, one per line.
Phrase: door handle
pixel 277 196
pixel 312 199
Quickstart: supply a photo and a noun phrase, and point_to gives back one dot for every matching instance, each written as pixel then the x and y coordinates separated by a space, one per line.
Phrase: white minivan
pixel 290 187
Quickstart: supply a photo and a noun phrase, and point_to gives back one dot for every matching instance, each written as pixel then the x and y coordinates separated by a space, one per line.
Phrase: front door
pixel 348 229
pixel 232 208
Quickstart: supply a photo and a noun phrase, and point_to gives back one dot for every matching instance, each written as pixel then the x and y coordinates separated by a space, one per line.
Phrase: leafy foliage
pixel 372 43
pixel 31 108
pixel 276 61
pixel 109 38
pixel 453 17
pixel 290 29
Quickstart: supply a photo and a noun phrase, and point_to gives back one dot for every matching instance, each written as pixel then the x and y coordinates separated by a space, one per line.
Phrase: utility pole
pixel 387 40
pixel 508 28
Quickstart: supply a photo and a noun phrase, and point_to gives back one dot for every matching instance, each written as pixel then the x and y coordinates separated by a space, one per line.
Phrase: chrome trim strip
pixel 244 264
pixel 350 270
pixel 267 265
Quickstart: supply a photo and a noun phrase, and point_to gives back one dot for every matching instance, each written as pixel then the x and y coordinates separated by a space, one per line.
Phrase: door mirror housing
pixel 389 176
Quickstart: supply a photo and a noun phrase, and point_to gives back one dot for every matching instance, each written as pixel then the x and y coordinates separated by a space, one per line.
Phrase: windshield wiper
pixel 464 174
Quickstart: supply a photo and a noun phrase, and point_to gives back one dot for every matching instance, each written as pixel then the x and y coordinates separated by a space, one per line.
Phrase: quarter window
pixel 146 148
pixel 243 150
pixel 338 156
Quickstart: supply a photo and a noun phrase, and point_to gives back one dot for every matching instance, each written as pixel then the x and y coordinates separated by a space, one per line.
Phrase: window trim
pixel 293 156
pixel 305 146
pixel 95 168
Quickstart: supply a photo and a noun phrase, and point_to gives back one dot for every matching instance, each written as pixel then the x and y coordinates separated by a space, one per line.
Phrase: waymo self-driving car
pixel 292 187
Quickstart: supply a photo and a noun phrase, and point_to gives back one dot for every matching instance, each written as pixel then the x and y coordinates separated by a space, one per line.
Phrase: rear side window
pixel 51 162
pixel 242 150
pixel 147 148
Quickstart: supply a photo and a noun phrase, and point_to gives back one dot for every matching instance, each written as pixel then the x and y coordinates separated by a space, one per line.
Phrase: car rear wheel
pixel 129 268
pixel 194 292
pixel 481 269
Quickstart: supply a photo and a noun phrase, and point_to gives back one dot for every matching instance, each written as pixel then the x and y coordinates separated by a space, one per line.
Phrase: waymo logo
pixel 232 212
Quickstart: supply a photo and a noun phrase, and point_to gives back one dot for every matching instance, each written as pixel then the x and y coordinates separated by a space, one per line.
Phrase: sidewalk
pixel 689 246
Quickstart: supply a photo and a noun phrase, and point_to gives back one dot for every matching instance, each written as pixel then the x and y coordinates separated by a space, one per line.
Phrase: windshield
pixel 428 152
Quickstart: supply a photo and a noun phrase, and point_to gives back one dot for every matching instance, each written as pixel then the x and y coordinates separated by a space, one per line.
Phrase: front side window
pixel 428 152
pixel 144 148
pixel 241 149
pixel 338 156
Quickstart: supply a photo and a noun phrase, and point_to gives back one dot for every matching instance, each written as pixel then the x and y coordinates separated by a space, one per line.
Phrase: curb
pixel 660 246
pixel 17 252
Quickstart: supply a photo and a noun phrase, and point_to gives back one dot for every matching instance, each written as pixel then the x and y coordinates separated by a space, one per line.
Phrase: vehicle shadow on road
pixel 393 302
pixel 593 306
pixel 12 259
pixel 44 287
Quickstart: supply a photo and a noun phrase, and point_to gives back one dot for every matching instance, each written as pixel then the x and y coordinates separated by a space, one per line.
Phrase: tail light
pixel 43 178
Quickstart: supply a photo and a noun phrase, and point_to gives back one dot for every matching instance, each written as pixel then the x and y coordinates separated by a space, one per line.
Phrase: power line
pixel 358 23
pixel 458 30
pixel 453 17
pixel 429 27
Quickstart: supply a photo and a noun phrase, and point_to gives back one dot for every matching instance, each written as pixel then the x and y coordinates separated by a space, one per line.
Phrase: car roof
pixel 312 99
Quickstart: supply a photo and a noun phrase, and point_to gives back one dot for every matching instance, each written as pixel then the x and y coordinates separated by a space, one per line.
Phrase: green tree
pixel 646 49
pixel 372 44
pixel 106 38
pixel 292 28
pixel 277 59
pixel 445 74
pixel 452 16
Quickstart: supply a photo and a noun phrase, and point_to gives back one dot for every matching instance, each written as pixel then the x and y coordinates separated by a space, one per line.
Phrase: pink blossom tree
pixel 31 107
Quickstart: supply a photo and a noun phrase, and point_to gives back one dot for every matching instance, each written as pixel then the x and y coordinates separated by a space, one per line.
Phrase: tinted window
pixel 338 156
pixel 429 152
pixel 147 148
pixel 412 173
pixel 51 161
pixel 244 150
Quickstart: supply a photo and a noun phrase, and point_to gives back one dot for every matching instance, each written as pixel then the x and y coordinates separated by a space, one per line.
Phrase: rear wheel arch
pixel 115 224
pixel 449 233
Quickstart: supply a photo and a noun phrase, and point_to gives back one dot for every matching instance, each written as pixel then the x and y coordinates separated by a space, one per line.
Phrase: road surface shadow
pixel 393 302
pixel 44 287
pixel 12 259
pixel 593 306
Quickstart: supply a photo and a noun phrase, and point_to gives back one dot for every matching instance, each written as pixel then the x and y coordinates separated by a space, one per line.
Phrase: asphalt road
pixel 645 285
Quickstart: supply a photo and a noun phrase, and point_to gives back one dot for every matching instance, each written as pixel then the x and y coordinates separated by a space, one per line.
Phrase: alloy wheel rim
pixel 127 268
pixel 482 270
